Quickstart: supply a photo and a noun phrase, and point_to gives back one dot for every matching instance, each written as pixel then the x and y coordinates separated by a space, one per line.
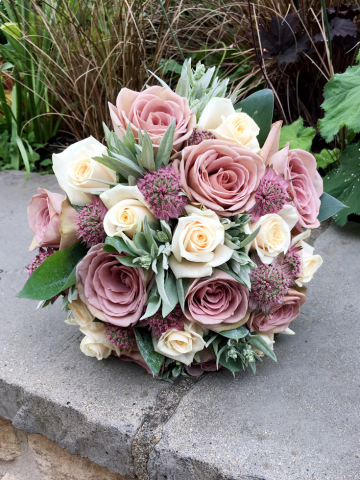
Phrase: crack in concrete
pixel 150 432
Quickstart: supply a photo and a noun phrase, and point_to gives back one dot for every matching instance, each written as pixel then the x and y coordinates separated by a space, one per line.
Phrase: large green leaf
pixel 329 207
pixel 342 103
pixel 166 145
pixel 260 107
pixel 234 365
pixel 297 135
pixel 343 183
pixel 326 157
pixel 236 333
pixel 153 359
pixel 55 274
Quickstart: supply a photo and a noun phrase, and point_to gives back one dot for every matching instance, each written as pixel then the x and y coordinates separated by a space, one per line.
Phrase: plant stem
pixel 327 28
pixel 171 30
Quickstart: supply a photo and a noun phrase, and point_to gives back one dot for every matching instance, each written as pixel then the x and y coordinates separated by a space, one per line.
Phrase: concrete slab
pixel 297 420
pixel 47 385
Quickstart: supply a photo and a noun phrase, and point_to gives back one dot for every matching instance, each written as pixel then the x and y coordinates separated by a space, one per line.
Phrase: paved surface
pixel 295 420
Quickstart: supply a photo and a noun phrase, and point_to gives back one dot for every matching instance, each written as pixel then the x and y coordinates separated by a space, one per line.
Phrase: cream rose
pixel 274 236
pixel 310 263
pixel 198 244
pixel 220 117
pixel 127 210
pixel 95 342
pixel 181 345
pixel 81 315
pixel 75 165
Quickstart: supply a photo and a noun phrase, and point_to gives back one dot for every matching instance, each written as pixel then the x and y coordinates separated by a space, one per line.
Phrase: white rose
pixel 95 342
pixel 269 339
pixel 127 210
pixel 220 117
pixel 81 314
pixel 274 236
pixel 181 345
pixel 75 165
pixel 310 263
pixel 198 244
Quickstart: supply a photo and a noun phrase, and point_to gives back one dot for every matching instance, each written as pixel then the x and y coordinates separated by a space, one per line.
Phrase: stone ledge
pixel 292 421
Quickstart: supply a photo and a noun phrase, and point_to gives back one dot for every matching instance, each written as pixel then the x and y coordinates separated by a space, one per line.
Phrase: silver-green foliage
pixel 239 265
pixel 132 159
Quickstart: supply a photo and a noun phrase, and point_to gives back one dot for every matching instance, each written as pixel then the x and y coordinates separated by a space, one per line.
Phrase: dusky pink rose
pixel 43 215
pixel 112 292
pixel 214 300
pixel 281 315
pixel 221 176
pixel 135 356
pixel 153 110
pixel 207 364
pixel 306 186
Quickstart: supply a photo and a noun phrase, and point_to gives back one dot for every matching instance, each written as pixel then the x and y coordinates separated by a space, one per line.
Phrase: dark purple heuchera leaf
pixel 343 11
pixel 283 40
pixel 343 32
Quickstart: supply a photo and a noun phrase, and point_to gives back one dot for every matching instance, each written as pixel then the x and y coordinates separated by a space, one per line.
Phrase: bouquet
pixel 180 245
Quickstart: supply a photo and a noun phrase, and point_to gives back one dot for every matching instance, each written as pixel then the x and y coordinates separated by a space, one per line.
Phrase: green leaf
pixel 341 105
pixel 329 207
pixel 343 183
pixel 259 106
pixel 237 333
pixel 160 282
pixel 128 261
pixel 249 238
pixel 144 341
pixel 183 86
pixel 140 241
pixel 297 135
pixel 55 274
pixel 149 238
pixel 116 244
pixel 147 153
pixel 181 284
pixel 231 364
pixel 326 157
pixel 166 145
pixel 260 344
pixel 171 293
pixel 152 307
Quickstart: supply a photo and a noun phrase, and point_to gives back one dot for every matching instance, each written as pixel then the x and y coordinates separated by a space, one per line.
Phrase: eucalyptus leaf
pixel 160 282
pixel 250 238
pixel 329 206
pixel 127 261
pixel 55 274
pixel 236 333
pixel 144 341
pixel 152 307
pixel 181 284
pixel 231 364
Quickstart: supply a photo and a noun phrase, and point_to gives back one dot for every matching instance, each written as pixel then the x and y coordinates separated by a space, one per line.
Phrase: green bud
pixel 146 261
pixel 162 237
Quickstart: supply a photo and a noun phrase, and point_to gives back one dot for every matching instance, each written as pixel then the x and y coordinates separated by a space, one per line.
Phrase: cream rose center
pixel 82 170
pixel 127 216
pixel 198 238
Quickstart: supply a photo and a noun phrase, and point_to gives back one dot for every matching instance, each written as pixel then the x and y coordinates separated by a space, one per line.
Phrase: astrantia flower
pixel 271 195
pixel 159 325
pixel 269 284
pixel 199 136
pixel 120 337
pixel 292 259
pixel 89 223
pixel 162 191
pixel 39 259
